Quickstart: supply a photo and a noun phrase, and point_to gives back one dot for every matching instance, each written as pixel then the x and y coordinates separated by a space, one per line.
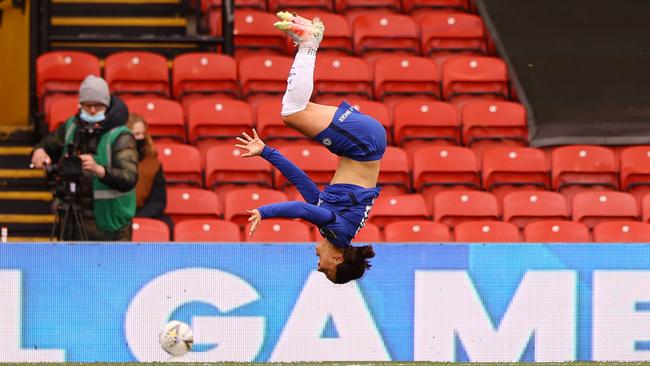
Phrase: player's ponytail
pixel 355 262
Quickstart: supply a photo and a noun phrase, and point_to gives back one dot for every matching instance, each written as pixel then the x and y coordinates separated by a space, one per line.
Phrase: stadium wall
pixel 245 302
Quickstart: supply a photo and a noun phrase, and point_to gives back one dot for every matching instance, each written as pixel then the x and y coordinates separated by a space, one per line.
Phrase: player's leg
pixel 297 112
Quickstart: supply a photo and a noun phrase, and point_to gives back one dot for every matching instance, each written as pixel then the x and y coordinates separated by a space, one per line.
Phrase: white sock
pixel 300 83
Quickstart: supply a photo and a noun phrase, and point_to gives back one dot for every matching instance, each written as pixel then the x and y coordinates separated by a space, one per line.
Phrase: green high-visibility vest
pixel 112 209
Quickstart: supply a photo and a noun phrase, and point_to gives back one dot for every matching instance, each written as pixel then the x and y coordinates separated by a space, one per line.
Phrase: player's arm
pixel 292 210
pixel 255 146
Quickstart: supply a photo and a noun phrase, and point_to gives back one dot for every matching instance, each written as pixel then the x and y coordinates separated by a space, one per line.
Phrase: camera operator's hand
pixel 40 158
pixel 88 164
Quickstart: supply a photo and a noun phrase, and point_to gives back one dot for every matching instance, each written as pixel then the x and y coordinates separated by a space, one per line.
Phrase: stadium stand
pixel 417 231
pixel 181 164
pixel 523 207
pixel 192 203
pixel 164 117
pixel 389 209
pixel 280 230
pixel 454 207
pixel 486 232
pixel 621 232
pixel 137 73
pixel 206 230
pixel 418 123
pixel 149 230
pixel 237 201
pixel 197 76
pixel 553 231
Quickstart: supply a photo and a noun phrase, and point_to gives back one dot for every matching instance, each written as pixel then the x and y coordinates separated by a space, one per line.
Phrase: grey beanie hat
pixel 94 89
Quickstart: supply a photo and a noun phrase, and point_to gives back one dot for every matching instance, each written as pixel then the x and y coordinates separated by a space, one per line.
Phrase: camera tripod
pixel 69 223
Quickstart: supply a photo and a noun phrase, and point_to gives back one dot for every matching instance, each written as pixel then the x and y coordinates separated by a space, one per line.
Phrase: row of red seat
pixel 342 6
pixel 287 231
pixel 201 75
pixel 450 207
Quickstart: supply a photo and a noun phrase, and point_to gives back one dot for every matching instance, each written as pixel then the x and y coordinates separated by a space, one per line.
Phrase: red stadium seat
pixel 389 209
pixel 621 232
pixel 270 127
pixel 192 203
pixel 342 76
pixel 164 117
pixel 418 231
pixel 300 5
pixel 280 231
pixel 254 32
pixel 239 200
pixel 344 6
pixel 486 232
pixel 206 230
pixel 394 174
pixel 645 208
pixel 494 122
pixel 339 36
pixel 420 123
pixel 61 72
pixel 583 167
pixel 370 233
pixel 591 208
pixel 556 232
pixel 524 207
pixel 474 76
pixel 453 207
pixel 265 75
pixel 316 161
pixel 218 121
pixel 181 164
pixel 385 32
pixel 202 75
pixel 635 171
pixel 440 168
pixel 61 109
pixel 406 76
pixel 149 230
pixel 413 6
pixel 137 73
pixel 224 168
pixel 507 169
pixel 452 32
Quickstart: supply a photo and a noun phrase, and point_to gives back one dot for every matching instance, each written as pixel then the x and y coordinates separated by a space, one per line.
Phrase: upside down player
pixel 339 211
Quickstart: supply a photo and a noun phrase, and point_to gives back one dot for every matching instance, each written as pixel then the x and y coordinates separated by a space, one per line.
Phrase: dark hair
pixel 355 263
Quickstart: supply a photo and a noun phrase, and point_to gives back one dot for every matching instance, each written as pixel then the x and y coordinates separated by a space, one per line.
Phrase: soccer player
pixel 341 210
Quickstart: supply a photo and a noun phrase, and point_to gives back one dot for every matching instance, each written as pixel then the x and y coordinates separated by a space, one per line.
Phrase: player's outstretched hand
pixel 253 145
pixel 254 220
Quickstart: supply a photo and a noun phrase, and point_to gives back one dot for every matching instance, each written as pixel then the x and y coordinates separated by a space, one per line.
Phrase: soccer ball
pixel 176 338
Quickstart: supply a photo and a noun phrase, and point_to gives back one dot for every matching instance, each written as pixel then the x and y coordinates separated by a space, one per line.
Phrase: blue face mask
pixel 98 117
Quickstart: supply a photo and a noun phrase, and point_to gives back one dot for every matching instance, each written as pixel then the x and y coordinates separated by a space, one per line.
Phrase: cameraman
pixel 109 160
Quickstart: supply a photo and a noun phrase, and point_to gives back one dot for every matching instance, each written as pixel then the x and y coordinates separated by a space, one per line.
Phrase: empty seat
pixel 192 203
pixel 474 76
pixel 270 126
pixel 224 166
pixel 280 230
pixel 164 117
pixel 206 230
pixel 453 207
pixel 370 233
pixel 316 161
pixel 389 209
pixel 418 123
pixel 622 232
pixel 635 170
pixel 342 76
pixel 137 73
pixel 61 72
pixel 556 231
pixel 512 168
pixel 494 122
pixel 452 32
pixel 218 121
pixel 237 201
pixel 384 32
pixel 439 168
pixel 583 167
pixel 394 174
pixel 486 232
pixel 265 75
pixel 524 207
pixel 406 76
pixel 254 32
pixel 417 230
pixel 181 164
pixel 591 208
pixel 149 230
pixel 201 74
pixel 413 6
pixel 61 109
pixel 343 6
